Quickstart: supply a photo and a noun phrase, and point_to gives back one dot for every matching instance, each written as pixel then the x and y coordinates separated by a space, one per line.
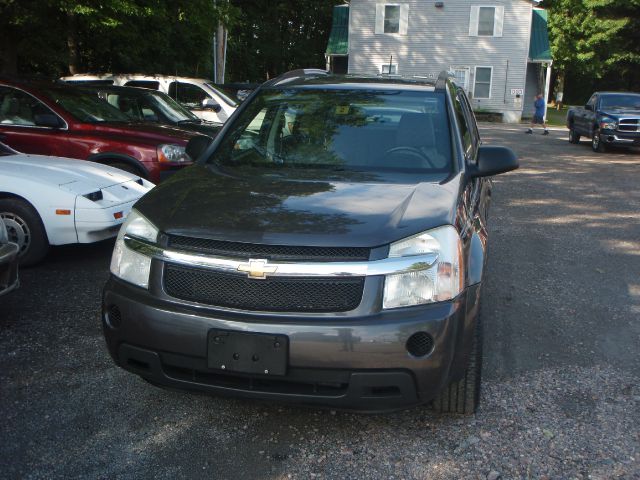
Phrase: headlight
pixel 173 154
pixel 442 281
pixel 608 123
pixel 126 264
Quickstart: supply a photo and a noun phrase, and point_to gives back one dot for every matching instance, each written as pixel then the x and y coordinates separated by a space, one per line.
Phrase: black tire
pixel 463 396
pixel 25 228
pixel 573 136
pixel 127 167
pixel 597 145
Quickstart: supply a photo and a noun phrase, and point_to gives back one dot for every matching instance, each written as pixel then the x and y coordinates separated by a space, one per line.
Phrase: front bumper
pixel 615 137
pixel 358 363
pixel 8 267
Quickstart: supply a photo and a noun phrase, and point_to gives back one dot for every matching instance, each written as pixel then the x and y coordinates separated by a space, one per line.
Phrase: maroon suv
pixel 61 120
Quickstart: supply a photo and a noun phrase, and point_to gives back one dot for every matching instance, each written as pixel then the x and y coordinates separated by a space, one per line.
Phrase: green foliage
pixel 52 37
pixel 596 44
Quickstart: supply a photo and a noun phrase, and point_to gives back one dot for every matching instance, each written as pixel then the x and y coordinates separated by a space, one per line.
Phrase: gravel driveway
pixel 562 360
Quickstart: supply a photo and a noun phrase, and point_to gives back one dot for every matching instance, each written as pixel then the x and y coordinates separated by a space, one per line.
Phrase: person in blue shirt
pixel 538 115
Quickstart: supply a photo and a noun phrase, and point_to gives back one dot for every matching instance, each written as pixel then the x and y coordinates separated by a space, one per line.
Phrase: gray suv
pixel 327 249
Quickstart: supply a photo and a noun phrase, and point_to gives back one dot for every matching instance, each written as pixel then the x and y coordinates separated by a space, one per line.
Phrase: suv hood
pixel 145 132
pixel 621 112
pixel 198 202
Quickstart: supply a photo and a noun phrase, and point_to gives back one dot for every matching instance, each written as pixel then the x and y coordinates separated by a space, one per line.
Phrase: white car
pixel 56 201
pixel 199 95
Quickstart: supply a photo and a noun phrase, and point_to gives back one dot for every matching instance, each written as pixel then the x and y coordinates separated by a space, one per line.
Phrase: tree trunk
pixel 221 39
pixel 72 43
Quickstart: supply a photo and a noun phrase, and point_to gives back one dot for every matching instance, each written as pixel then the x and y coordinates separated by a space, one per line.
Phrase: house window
pixel 461 75
pixel 486 21
pixel 389 69
pixel 392 18
pixel 482 87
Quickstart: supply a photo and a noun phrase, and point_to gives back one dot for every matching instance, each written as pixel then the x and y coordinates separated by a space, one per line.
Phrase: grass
pixel 557 118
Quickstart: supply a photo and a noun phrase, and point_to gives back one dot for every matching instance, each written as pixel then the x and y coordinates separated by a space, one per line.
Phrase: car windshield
pixel 402 131
pixel 167 105
pixel 85 107
pixel 148 105
pixel 620 101
pixel 229 101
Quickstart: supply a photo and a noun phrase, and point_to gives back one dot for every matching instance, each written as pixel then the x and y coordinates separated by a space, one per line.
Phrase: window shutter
pixel 473 21
pixel 498 22
pixel 404 19
pixel 379 18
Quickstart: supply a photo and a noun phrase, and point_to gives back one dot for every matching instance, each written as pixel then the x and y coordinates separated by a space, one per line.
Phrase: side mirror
pixel 492 161
pixel 47 120
pixel 588 107
pixel 211 104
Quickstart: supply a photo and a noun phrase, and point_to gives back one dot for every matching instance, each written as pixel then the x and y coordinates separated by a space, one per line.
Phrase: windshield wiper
pixel 190 120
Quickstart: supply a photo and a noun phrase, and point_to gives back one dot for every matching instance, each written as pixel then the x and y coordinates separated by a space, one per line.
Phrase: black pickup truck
pixel 608 118
pixel 327 249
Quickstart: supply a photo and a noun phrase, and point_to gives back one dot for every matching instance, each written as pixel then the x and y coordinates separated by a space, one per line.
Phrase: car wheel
pixel 597 145
pixel 127 167
pixel 25 228
pixel 463 396
pixel 573 136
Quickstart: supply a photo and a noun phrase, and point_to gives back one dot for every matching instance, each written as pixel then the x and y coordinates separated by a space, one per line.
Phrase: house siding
pixel 438 38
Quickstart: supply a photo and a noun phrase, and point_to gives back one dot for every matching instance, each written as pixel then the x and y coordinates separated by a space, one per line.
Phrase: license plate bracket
pixel 248 352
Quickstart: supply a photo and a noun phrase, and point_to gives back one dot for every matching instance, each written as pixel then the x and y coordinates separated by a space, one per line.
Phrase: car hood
pixel 338 211
pixel 621 112
pixel 76 176
pixel 145 132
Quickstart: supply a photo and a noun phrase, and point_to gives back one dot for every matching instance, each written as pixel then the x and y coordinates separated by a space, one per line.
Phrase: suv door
pixel 478 191
pixel 192 97
pixel 27 124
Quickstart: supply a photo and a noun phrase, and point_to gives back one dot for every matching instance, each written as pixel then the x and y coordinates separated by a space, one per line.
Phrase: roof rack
pixel 295 74
pixel 441 82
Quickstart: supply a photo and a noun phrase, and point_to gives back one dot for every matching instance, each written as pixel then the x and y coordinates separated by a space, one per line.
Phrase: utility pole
pixel 219 50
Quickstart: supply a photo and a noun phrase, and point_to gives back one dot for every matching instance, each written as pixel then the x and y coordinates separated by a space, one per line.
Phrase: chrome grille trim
pixel 386 266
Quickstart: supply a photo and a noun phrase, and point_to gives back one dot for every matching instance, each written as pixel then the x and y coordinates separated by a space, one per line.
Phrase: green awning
pixel 539 49
pixel 339 38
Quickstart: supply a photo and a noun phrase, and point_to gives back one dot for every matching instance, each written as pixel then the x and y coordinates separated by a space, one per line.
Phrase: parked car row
pixel 199 95
pixel 50 194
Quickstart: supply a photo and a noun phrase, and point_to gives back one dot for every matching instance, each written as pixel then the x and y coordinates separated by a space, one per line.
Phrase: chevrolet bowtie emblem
pixel 257 269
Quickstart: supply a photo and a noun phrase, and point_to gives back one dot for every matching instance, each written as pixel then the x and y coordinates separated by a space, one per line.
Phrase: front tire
pixel 25 228
pixel 573 136
pixel 597 145
pixel 462 397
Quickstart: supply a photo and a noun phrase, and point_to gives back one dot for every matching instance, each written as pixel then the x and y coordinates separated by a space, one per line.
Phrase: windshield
pixel 169 107
pixel 85 107
pixel 229 101
pixel 359 130
pixel 620 101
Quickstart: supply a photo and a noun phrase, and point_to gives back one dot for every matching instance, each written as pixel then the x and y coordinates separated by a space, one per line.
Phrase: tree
pixel 595 45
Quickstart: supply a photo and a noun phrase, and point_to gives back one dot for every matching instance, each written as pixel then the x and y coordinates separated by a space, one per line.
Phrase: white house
pixel 497 49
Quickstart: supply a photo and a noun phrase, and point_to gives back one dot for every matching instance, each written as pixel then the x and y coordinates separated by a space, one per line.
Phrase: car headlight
pixel 442 281
pixel 608 123
pixel 173 154
pixel 126 264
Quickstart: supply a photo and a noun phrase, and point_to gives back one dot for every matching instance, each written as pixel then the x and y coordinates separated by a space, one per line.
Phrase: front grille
pixel 278 294
pixel 220 248
pixel 629 125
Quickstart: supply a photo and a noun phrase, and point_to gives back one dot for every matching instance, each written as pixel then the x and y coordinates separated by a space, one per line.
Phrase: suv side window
pixel 463 125
pixel 593 100
pixel 187 94
pixel 20 108
pixel 471 122
pixel 150 84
